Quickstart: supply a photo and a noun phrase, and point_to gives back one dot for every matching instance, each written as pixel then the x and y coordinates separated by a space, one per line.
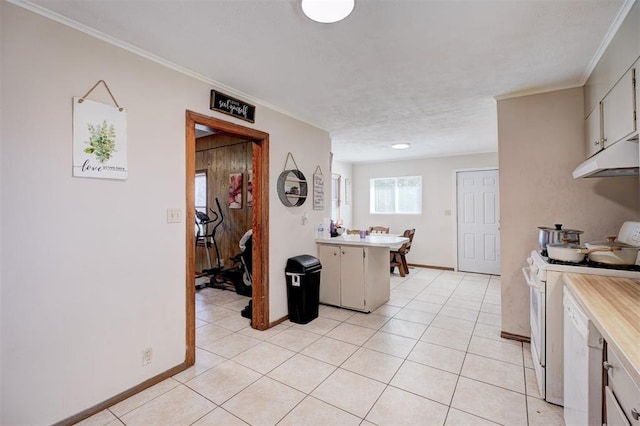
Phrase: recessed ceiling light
pixel 400 146
pixel 327 11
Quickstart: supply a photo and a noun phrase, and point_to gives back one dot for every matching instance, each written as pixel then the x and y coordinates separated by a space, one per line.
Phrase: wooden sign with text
pixel 232 106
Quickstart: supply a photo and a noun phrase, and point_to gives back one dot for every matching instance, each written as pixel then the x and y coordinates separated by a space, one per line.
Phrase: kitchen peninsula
pixel 356 271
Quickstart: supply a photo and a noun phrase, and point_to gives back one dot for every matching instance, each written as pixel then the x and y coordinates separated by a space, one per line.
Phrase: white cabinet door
pixel 593 136
pixel 478 221
pixel 352 290
pixel 329 257
pixel 618 110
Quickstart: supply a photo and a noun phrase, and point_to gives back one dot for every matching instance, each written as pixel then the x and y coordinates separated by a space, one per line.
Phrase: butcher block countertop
pixel 613 304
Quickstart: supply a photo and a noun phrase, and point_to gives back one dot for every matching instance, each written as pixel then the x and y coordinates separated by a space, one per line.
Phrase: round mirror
pixel 292 188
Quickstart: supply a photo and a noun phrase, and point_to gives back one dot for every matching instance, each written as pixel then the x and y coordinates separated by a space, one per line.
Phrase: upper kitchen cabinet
pixel 618 57
pixel 610 99
pixel 619 110
pixel 593 131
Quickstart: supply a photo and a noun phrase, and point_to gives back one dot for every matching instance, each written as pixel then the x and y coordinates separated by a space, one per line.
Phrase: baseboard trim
pixel 279 321
pixel 442 268
pixel 516 337
pixel 122 396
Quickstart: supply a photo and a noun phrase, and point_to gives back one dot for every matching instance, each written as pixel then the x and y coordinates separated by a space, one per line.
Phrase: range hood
pixel 620 159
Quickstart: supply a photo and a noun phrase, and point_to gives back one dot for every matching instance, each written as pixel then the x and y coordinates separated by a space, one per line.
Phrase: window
pixel 396 195
pixel 201 196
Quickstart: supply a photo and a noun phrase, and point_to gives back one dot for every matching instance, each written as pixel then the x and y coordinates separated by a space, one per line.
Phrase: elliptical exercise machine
pixel 237 277
pixel 206 236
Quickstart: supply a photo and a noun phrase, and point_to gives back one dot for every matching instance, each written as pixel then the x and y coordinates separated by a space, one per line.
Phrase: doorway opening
pixel 257 143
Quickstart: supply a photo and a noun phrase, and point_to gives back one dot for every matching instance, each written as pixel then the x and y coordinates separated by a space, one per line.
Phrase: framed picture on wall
pixel 235 191
pixel 250 190
pixel 318 191
pixel 99 140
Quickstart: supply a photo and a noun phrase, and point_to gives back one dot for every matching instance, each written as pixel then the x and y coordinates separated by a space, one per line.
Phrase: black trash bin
pixel 303 288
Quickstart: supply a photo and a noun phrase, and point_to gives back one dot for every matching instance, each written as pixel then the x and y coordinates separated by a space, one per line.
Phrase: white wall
pixel 434 241
pixel 92 273
pixel 540 142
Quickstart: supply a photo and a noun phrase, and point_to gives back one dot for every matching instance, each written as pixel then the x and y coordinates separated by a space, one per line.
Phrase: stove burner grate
pixel 591 264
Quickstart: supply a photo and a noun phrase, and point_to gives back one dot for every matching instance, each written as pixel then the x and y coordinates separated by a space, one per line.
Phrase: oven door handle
pixel 531 282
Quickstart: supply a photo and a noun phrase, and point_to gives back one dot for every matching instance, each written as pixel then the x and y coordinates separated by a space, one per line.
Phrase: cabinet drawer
pixel 626 391
pixel 615 416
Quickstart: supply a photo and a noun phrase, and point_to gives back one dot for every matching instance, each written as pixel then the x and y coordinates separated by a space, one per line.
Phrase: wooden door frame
pixel 259 221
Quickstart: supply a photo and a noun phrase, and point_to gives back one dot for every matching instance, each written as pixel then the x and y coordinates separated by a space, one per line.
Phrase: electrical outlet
pixel 174 215
pixel 147 356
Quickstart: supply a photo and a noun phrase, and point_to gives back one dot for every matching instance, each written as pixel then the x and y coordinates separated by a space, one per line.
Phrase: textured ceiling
pixel 417 71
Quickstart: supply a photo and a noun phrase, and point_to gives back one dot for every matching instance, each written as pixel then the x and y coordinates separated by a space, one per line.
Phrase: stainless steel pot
pixel 557 235
pixel 613 252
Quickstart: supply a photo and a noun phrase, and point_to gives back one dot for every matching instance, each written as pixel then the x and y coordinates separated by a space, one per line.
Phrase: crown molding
pixel 42 11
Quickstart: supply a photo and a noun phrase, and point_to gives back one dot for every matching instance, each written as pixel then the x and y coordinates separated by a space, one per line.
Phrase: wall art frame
pixel 99 138
pixel 318 189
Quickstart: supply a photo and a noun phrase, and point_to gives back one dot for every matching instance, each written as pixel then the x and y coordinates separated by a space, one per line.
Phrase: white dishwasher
pixel 582 366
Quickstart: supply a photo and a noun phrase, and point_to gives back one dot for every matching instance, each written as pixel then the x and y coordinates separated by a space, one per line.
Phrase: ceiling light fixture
pixel 327 11
pixel 400 146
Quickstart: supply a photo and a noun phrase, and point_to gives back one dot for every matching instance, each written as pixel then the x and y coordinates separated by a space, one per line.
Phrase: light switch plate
pixel 174 215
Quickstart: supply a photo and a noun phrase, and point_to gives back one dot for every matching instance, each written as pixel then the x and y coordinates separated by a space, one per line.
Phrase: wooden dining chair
pixel 398 257
pixel 378 230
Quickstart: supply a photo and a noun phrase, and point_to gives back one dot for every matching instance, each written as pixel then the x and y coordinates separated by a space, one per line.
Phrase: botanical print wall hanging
pixel 99 139
pixel 235 191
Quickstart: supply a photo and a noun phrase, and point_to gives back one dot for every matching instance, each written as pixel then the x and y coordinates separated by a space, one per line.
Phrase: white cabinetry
pixel 353 265
pixel 622 394
pixel 618 110
pixel 354 277
pixel 593 133
pixel 614 118
pixel 330 274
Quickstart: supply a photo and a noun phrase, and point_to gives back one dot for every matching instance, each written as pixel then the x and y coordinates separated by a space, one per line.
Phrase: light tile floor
pixel 432 355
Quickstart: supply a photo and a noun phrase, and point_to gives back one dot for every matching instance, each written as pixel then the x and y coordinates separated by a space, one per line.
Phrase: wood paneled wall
pixel 220 156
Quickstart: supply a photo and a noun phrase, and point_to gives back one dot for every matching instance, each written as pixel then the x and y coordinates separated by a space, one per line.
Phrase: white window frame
pixel 397 196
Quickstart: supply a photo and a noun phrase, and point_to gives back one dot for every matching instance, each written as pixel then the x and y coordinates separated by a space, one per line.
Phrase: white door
pixel 478 222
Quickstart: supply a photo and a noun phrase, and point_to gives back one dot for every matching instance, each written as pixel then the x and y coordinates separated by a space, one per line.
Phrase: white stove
pixel 546 312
